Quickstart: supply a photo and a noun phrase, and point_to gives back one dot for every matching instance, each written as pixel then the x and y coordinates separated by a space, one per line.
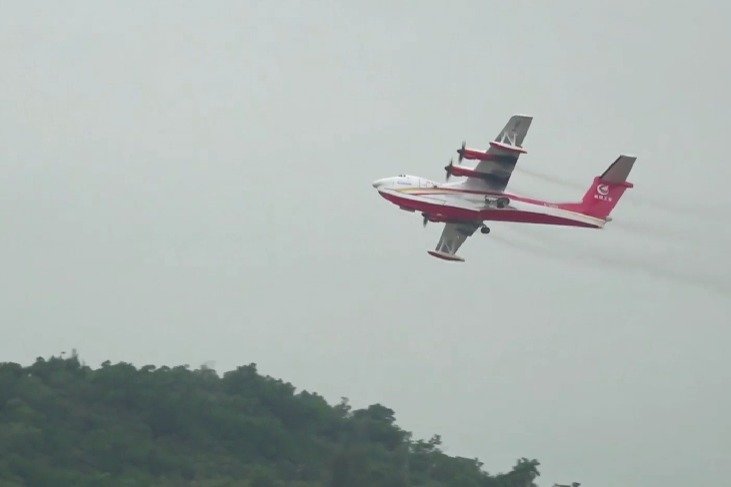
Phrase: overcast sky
pixel 189 183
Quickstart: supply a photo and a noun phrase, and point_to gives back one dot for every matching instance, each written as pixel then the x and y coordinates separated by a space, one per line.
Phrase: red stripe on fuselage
pixel 443 212
pixel 512 197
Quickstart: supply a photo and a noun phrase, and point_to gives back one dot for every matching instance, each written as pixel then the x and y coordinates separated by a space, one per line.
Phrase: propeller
pixel 448 168
pixel 461 151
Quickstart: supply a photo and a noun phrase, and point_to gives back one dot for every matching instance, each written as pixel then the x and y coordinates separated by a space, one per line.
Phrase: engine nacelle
pixel 465 171
pixel 480 155
pixel 473 154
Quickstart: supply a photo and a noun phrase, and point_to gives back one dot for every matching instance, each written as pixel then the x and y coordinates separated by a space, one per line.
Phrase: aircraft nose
pixel 378 182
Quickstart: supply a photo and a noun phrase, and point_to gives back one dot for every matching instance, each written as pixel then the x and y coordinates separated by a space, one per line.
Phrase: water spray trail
pixel 706 281
pixel 669 206
pixel 649 230
pixel 553 179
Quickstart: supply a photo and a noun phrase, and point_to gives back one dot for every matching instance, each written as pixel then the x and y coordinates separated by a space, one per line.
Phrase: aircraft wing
pixel 453 236
pixel 496 166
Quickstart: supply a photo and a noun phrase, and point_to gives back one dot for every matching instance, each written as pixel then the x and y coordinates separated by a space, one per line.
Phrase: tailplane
pixel 605 191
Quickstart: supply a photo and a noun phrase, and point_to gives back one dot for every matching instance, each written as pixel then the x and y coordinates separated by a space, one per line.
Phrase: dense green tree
pixel 65 424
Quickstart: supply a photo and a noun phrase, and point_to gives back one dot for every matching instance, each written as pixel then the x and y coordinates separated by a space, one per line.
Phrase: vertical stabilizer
pixel 604 193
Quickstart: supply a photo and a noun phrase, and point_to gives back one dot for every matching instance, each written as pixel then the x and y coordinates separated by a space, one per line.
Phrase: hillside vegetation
pixel 65 424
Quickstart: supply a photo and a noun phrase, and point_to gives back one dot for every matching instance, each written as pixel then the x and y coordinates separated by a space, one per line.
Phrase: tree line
pixel 63 423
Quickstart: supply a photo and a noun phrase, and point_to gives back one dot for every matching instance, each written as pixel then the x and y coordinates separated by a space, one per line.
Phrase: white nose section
pixel 378 182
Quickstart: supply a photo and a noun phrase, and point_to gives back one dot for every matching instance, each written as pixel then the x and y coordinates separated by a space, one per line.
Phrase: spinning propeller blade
pixel 448 169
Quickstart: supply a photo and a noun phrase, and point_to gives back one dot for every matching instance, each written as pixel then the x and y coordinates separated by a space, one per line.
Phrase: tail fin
pixel 605 191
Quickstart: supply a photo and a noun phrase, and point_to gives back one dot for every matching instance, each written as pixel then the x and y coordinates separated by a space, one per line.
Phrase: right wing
pixel 453 236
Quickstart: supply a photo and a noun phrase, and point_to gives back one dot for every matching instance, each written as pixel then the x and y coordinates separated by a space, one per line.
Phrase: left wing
pixel 453 236
pixel 496 164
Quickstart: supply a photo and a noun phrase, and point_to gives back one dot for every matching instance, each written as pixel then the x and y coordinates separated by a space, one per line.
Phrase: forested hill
pixel 65 424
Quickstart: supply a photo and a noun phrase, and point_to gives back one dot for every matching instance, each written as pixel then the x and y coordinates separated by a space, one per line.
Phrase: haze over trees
pixel 65 424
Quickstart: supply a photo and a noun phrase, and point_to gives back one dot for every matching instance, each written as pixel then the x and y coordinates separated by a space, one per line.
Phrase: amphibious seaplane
pixel 464 206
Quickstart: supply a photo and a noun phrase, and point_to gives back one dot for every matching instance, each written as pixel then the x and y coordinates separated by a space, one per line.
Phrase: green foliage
pixel 65 424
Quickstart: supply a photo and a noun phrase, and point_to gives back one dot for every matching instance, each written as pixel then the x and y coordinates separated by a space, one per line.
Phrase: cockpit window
pixel 402 175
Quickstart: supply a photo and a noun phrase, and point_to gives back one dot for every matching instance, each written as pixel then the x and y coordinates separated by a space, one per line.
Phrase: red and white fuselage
pixel 456 202
pixel 482 196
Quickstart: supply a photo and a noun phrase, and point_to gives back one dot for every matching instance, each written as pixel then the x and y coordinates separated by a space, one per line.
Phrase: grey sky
pixel 185 182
